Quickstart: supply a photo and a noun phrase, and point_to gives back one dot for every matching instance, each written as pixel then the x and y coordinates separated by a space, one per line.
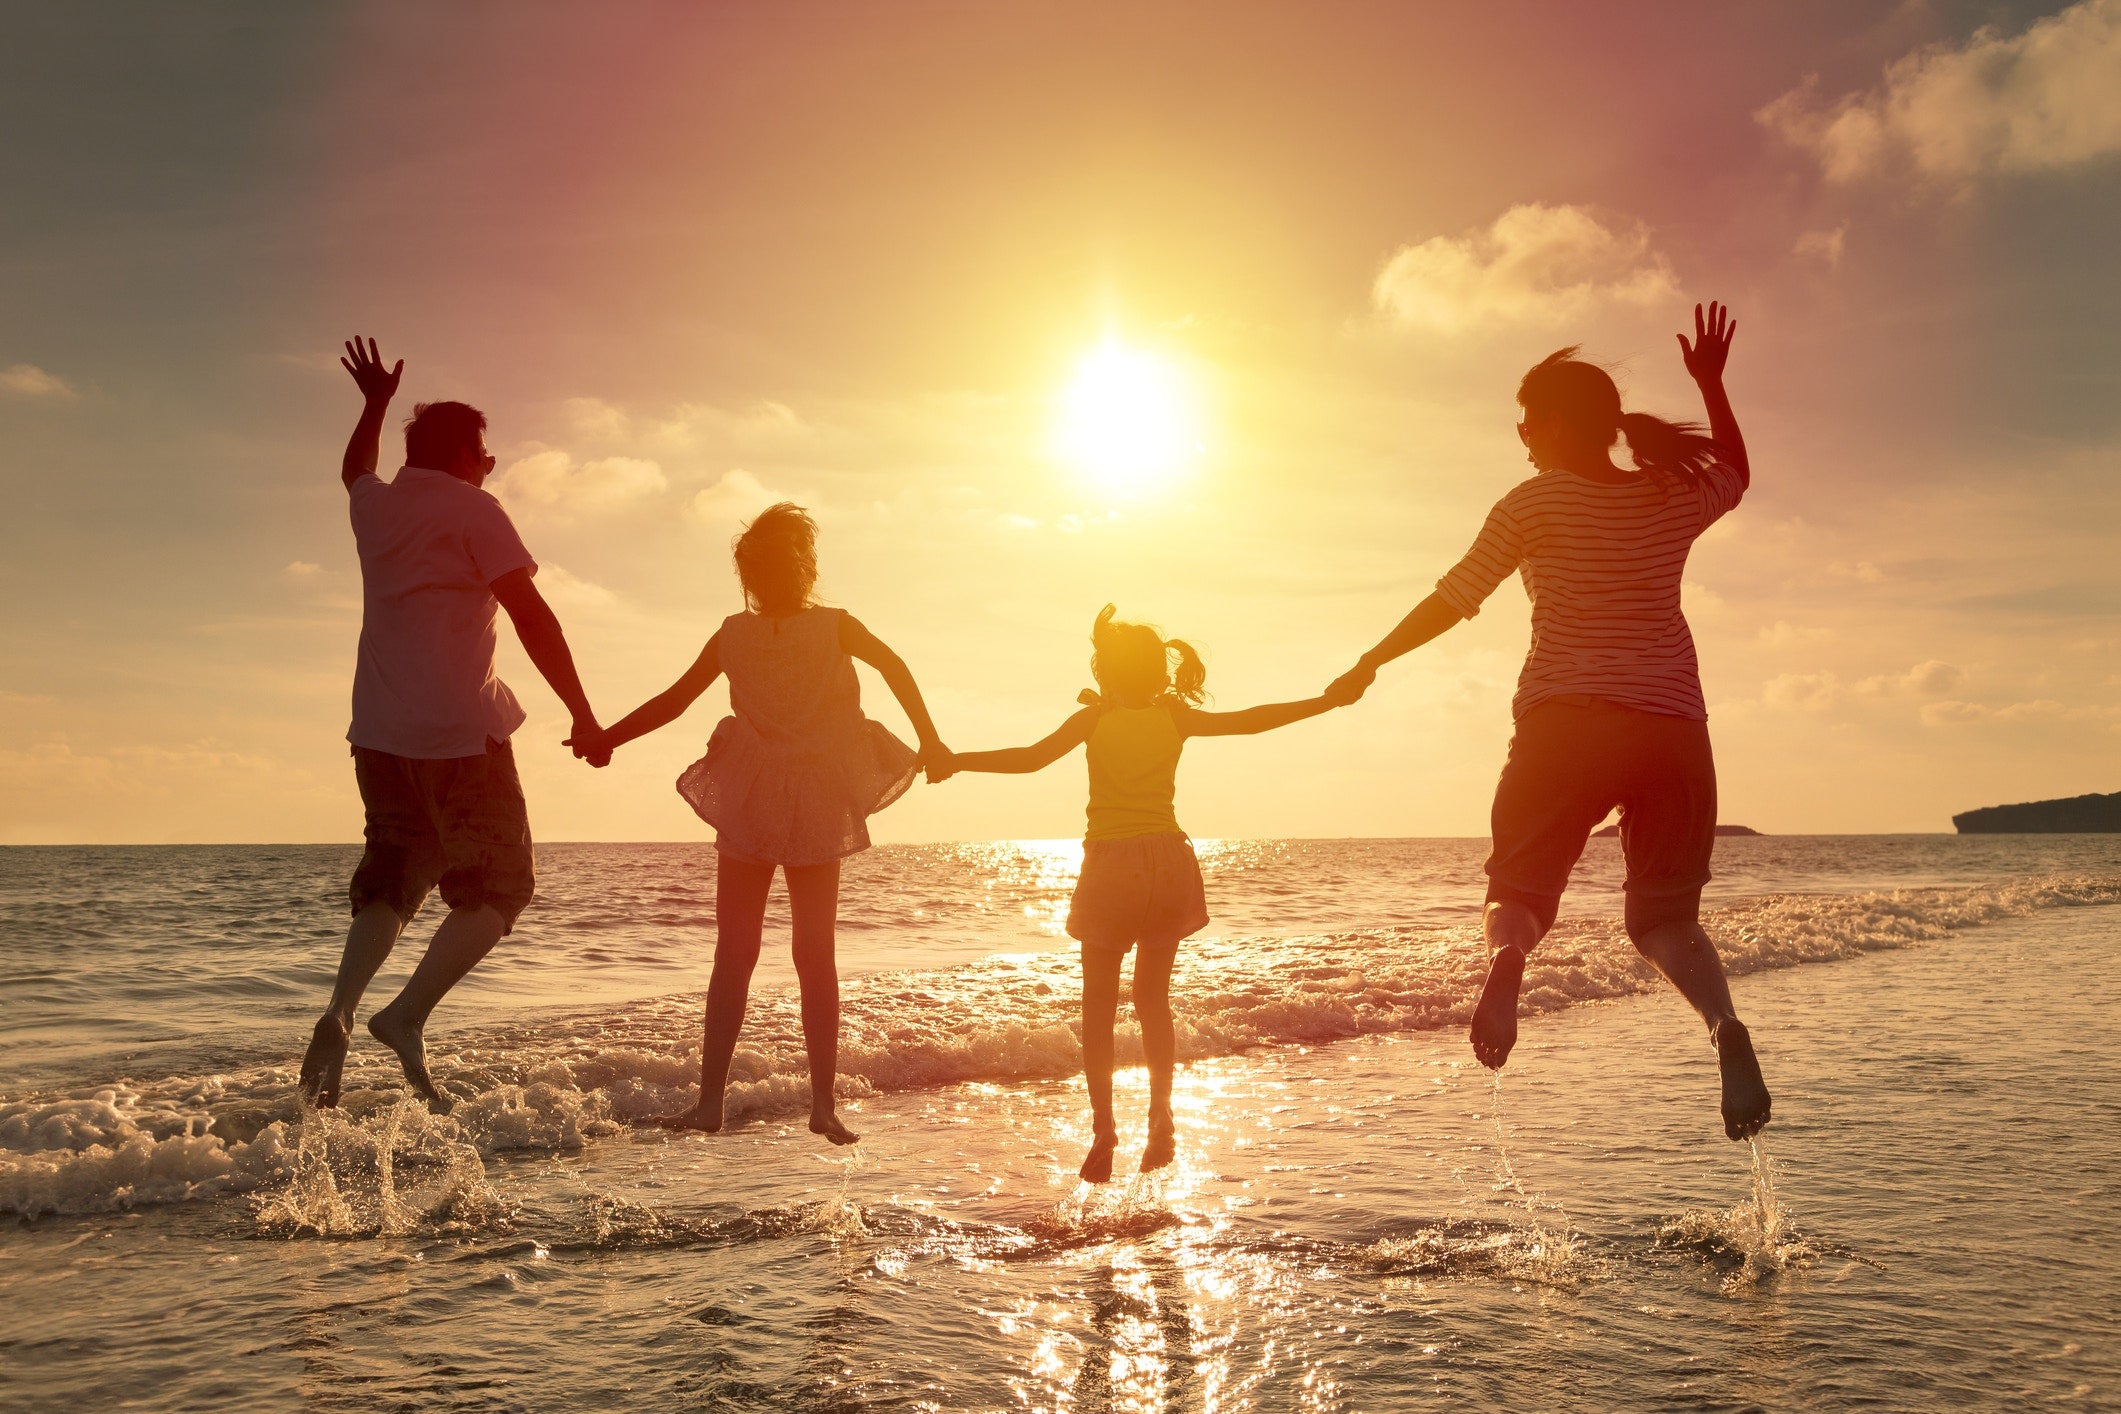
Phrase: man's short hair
pixel 438 433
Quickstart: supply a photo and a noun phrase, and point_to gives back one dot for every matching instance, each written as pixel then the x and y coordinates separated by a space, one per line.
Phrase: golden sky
pixel 691 260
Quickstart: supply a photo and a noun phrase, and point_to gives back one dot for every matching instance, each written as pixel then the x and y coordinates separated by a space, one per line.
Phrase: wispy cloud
pixel 1533 264
pixel 30 381
pixel 736 497
pixel 2044 99
pixel 551 479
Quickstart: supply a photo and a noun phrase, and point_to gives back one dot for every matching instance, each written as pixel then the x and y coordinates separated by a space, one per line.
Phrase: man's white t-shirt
pixel 431 547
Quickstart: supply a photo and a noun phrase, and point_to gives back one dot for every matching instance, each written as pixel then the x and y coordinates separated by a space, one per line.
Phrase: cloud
pixel 1535 264
pixel 593 417
pixel 1823 246
pixel 33 382
pixel 1783 634
pixel 759 425
pixel 1938 714
pixel 1802 692
pixel 551 479
pixel 738 496
pixel 571 591
pixel 2039 101
pixel 1929 679
pixel 301 571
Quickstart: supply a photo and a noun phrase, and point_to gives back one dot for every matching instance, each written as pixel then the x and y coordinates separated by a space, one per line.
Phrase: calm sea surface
pixel 1361 1217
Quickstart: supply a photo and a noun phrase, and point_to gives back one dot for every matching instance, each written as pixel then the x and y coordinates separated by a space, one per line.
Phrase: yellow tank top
pixel 1133 754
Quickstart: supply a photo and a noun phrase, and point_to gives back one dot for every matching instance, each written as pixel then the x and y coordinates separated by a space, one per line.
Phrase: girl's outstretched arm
pixel 1192 721
pixel 860 643
pixel 658 711
pixel 1020 760
pixel 1705 358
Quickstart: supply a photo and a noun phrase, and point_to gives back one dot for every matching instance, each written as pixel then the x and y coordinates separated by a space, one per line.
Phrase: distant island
pixel 2078 815
pixel 1612 832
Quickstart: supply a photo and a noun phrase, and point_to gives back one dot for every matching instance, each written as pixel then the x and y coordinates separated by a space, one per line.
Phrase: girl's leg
pixel 740 887
pixel 1152 1009
pixel 1100 1005
pixel 814 903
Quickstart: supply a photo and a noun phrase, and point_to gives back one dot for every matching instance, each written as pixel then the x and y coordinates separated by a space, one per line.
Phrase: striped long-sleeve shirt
pixel 1601 562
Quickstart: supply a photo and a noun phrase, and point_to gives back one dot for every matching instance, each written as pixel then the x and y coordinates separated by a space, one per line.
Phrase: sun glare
pixel 1127 419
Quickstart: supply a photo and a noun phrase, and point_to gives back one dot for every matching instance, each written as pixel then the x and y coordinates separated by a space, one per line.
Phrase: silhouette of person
pixel 431 721
pixel 1608 708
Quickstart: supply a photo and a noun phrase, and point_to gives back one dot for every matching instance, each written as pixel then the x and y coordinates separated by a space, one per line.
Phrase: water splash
pixel 1756 1238
pixel 1542 1250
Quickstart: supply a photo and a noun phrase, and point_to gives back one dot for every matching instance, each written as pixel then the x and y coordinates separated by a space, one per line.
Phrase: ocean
pixel 1361 1218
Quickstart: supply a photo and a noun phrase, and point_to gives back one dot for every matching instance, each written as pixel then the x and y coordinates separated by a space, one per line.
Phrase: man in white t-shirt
pixel 431 721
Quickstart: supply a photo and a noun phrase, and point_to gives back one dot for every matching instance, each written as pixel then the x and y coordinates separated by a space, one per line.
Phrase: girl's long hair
pixel 776 559
pixel 1131 660
pixel 1582 396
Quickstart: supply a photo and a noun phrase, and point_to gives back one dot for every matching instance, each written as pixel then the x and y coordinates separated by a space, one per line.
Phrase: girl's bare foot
pixel 1162 1147
pixel 1097 1165
pixel 324 1063
pixel 1495 1018
pixel 827 1123
pixel 1745 1098
pixel 405 1038
pixel 699 1117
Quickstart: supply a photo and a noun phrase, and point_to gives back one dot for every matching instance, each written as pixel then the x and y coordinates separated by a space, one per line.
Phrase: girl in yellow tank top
pixel 1140 881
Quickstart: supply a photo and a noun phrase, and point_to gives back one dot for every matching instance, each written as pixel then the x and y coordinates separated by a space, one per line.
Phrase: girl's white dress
pixel 792 776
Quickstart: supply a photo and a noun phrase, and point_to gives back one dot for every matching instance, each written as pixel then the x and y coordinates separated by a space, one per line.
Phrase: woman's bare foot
pixel 404 1038
pixel 827 1123
pixel 1745 1098
pixel 700 1117
pixel 1162 1147
pixel 1495 1018
pixel 324 1063
pixel 1097 1165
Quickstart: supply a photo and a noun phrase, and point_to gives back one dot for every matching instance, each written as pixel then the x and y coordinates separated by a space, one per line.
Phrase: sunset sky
pixel 690 260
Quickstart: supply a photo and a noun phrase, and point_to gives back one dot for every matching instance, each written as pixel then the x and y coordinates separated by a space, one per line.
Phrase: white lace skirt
pixel 779 806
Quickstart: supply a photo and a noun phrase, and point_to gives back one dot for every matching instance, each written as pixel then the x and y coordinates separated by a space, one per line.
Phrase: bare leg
pixel 813 907
pixel 740 888
pixel 1100 1006
pixel 1512 931
pixel 464 938
pixel 1152 1009
pixel 1684 954
pixel 369 940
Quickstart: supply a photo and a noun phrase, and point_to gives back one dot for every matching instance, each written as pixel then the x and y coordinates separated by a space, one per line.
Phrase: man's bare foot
pixel 1495 1018
pixel 393 1031
pixel 323 1063
pixel 827 1123
pixel 1097 1165
pixel 1745 1098
pixel 1162 1147
pixel 701 1117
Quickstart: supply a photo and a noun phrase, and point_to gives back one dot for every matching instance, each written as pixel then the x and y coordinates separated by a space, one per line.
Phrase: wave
pixel 559 1083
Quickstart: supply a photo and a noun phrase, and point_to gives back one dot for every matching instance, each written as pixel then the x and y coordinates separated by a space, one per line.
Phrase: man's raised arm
pixel 377 387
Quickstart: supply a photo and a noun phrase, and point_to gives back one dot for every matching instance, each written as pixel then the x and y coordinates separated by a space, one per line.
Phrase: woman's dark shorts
pixel 459 822
pixel 1572 760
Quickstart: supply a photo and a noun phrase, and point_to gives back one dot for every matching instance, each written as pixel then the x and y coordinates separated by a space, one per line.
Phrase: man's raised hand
pixel 1712 343
pixel 369 375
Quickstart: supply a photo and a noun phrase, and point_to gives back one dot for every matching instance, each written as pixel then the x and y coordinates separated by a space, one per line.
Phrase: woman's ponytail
pixel 1672 453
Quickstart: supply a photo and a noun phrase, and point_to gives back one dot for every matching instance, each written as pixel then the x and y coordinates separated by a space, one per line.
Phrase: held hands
pixel 939 762
pixel 366 366
pixel 1712 343
pixel 1348 688
pixel 589 743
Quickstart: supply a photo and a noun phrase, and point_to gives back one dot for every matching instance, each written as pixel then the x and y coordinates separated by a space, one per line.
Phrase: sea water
pixel 1360 1217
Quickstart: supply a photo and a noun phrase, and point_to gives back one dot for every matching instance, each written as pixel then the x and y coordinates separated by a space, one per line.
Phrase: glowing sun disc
pixel 1127 419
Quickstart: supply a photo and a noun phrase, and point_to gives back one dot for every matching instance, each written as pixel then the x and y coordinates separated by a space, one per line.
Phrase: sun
pixel 1127 420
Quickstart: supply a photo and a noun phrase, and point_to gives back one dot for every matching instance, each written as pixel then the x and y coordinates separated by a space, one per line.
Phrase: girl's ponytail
pixel 1189 682
pixel 1673 453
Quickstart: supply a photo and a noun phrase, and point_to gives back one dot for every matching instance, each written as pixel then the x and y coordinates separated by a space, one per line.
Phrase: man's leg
pixel 464 938
pixel 369 942
pixel 813 907
pixel 740 888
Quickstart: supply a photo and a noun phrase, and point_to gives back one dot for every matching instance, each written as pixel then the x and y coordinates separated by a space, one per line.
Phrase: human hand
pixel 939 763
pixel 589 743
pixel 366 366
pixel 1348 688
pixel 1712 343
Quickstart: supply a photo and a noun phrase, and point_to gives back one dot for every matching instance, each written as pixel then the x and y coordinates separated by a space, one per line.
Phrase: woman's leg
pixel 1152 1009
pixel 740 887
pixel 1100 1005
pixel 814 906
pixel 1512 928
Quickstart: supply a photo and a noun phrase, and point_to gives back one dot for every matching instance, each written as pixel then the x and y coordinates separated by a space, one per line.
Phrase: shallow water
pixel 1361 1218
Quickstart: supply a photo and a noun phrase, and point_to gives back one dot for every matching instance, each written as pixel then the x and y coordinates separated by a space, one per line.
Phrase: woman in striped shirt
pixel 1608 709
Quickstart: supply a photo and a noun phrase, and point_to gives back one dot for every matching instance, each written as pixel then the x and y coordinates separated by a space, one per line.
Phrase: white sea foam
pixel 566 1081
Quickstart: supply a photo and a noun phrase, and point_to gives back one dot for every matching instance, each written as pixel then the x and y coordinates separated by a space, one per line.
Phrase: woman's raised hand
pixel 1712 343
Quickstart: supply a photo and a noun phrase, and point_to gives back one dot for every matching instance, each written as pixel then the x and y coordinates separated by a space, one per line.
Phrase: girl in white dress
pixel 789 781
